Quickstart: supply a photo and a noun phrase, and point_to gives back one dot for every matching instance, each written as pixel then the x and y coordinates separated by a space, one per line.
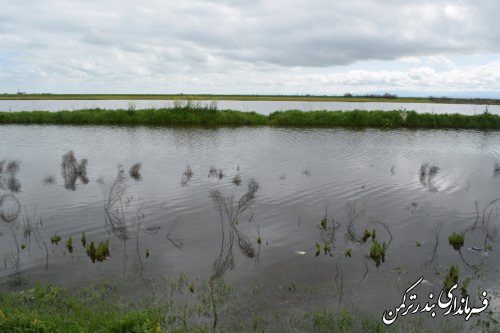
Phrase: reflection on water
pixel 376 206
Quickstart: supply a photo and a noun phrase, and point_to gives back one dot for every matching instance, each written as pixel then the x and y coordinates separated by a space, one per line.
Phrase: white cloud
pixel 238 46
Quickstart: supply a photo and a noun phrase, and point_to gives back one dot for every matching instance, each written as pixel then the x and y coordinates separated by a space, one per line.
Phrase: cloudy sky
pixel 411 48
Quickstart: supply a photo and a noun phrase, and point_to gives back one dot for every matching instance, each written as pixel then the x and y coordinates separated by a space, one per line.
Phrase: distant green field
pixel 301 98
pixel 192 114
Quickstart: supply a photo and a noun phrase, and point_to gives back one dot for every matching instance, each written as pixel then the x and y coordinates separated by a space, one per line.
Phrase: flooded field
pixel 296 218
pixel 263 107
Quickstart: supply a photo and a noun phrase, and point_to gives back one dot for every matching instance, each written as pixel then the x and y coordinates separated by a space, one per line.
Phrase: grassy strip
pixel 49 309
pixel 383 119
pixel 153 117
pixel 206 116
pixel 209 97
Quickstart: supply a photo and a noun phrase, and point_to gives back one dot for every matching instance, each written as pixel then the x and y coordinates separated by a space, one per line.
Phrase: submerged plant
pixel 135 171
pixel 237 180
pixel 69 245
pixel 84 239
pixel 100 253
pixel 451 278
pixel 366 235
pixel 229 213
pixel 55 239
pixel 72 170
pixel 456 240
pixel 186 176
pixel 8 176
pixel 377 252
pixel 427 174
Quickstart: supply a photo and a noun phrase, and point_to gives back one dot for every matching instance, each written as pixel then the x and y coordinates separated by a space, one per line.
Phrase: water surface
pixel 375 179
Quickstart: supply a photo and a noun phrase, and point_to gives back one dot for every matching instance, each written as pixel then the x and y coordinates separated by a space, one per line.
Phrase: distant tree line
pixel 385 96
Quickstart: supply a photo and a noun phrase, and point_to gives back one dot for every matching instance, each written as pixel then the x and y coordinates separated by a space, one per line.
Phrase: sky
pixel 318 47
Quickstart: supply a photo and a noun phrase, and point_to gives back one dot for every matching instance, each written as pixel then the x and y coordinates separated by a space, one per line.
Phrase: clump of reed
pixel 72 170
pixel 213 172
pixel 135 171
pixel 8 176
pixel 100 253
pixel 427 174
pixel 186 176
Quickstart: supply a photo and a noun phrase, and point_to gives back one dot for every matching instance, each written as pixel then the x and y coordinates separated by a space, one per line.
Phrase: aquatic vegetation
pixel 229 212
pixel 451 278
pixel 197 115
pixel 377 252
pixel 55 239
pixel 186 176
pixel 418 243
pixel 69 245
pixel 72 170
pixel 147 253
pixel 135 171
pixel 348 252
pixel 496 168
pixel 427 174
pixel 100 253
pixel 236 180
pixel 366 235
pixel 8 176
pixel 49 180
pixel 84 239
pixel 456 240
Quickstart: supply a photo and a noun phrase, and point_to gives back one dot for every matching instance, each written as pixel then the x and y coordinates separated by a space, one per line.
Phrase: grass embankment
pixel 210 97
pixel 206 116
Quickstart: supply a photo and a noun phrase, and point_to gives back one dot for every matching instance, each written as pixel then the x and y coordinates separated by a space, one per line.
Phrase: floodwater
pixel 263 107
pixel 414 188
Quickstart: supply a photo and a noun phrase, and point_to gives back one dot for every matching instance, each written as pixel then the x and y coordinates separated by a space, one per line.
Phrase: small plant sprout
pixel 465 284
pixel 318 249
pixel 366 235
pixel 418 243
pixel 456 240
pixel 147 253
pixel 55 239
pixel 324 222
pixel 191 287
pixel 327 249
pixel 69 245
pixel 84 239
pixel 377 252
pixel 23 246
pixel 489 247
pixel 451 278
pixel 348 252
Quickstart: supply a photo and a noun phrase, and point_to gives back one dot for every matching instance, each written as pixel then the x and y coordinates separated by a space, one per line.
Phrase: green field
pixel 193 114
pixel 209 97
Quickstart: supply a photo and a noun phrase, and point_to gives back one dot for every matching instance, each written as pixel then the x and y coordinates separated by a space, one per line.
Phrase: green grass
pixel 197 115
pixel 302 98
pixel 50 309
pixel 100 309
